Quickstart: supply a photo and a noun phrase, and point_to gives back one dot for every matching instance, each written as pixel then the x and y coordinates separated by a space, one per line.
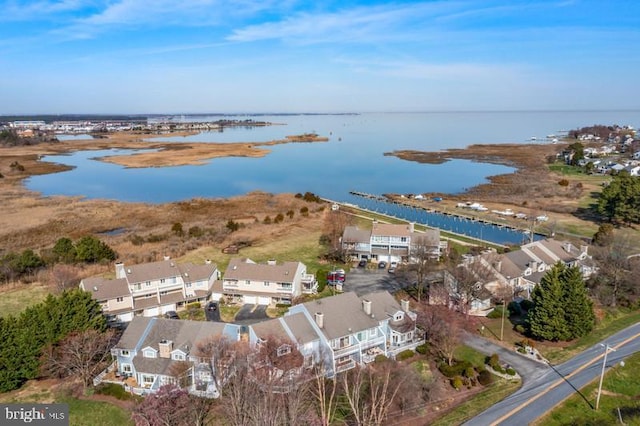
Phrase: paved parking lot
pixel 363 281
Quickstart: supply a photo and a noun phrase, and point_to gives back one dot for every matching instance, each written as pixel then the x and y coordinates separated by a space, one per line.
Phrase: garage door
pixel 166 308
pixel 249 300
pixel 152 312
pixel 264 300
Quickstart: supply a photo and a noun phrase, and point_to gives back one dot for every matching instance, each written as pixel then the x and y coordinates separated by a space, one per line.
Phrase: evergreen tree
pixel 620 200
pixel 64 251
pixel 546 319
pixel 562 308
pixel 91 250
pixel 24 337
pixel 578 308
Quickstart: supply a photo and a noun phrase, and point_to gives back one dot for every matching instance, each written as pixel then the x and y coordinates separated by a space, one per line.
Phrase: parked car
pixel 382 264
pixel 212 306
pixel 171 315
pixel 362 263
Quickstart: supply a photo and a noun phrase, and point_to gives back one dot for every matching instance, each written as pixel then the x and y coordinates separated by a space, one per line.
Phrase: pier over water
pixel 458 224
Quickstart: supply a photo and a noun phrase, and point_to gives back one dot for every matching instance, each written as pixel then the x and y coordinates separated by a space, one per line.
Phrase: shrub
pixel 304 211
pixel 405 355
pixel 485 378
pixel 492 360
pixel 454 370
pixel 514 308
pixel 526 304
pixel 511 371
pixel 195 232
pixel 422 349
pixel 279 218
pixel 470 372
pixel 457 382
pixel 380 358
pixel 520 329
pixel 267 220
pixel 137 240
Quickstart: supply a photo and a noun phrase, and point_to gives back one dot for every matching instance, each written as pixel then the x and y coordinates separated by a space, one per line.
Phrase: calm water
pixel 352 160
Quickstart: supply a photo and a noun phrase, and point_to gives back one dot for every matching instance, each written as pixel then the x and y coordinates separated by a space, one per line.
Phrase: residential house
pixel 155 351
pixel 521 270
pixel 345 330
pixel 151 289
pixel 390 242
pixel 264 284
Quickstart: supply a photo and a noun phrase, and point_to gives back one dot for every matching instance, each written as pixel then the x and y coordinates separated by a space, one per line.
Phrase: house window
pixel 162 293
pixel 188 285
pixel 345 341
pixel 124 352
pixel 147 284
pixel 178 357
pixel 137 286
pixel 284 350
pixel 161 280
pixel 373 332
pixel 119 299
pixel 285 285
pixel 266 283
pixel 247 282
pixel 403 239
pixel 398 316
pixel 149 354
pixel 126 368
pixel 147 380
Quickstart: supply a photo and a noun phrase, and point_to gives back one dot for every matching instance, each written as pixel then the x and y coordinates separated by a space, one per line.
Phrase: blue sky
pixel 191 56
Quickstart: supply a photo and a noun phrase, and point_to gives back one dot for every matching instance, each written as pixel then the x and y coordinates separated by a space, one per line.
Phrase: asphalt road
pixel 543 390
pixel 368 280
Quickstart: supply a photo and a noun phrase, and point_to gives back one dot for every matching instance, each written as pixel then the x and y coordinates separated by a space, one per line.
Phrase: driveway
pixel 251 314
pixel 212 314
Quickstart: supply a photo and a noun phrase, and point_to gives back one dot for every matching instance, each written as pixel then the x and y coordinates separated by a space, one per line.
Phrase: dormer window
pixel 284 350
pixel 149 353
pixel 178 356
pixel 399 316
pixel 124 352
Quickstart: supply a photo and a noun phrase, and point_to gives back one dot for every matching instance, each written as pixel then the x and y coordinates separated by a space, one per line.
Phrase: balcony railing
pixel 345 350
pixel 344 366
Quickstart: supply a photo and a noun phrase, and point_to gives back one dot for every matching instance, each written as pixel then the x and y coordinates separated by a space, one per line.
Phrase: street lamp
pixel 607 348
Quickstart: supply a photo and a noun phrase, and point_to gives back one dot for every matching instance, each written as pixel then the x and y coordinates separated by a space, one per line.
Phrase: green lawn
pixel 13 301
pixel 620 390
pixel 494 393
pixel 465 353
pixel 91 413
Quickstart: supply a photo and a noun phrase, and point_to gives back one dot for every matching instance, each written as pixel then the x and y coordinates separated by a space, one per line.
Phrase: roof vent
pixel 128 271
pixel 95 288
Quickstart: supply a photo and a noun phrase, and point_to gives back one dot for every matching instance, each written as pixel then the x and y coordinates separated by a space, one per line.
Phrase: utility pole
pixel 607 348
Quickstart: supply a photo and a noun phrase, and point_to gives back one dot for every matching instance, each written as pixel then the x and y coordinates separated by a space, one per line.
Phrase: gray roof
pixel 152 271
pixel 352 234
pixel 102 289
pixel 270 328
pixel 300 328
pixel 343 314
pixel 246 269
pixel 193 273
pixel 383 304
pixel 133 332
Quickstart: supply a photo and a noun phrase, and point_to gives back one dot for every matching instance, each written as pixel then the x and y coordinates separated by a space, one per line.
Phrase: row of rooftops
pixel 335 317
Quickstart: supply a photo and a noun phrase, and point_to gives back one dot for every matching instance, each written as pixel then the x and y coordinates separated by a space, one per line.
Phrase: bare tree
pixel 334 225
pixel 82 354
pixel 423 261
pixel 370 391
pixel 63 277
pixel 443 330
pixel 615 280
pixel 324 392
